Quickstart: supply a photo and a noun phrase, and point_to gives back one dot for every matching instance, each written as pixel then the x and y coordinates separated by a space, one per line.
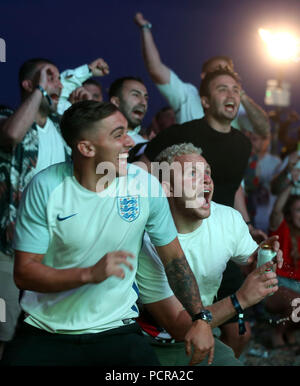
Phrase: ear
pixel 27 85
pixel 115 101
pixel 86 148
pixel 205 102
pixel 167 187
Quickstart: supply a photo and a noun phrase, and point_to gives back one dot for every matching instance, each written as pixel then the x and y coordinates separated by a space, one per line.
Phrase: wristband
pixel 45 94
pixel 148 26
pixel 240 312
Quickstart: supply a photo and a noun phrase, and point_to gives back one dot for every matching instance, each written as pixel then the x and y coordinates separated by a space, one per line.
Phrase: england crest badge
pixel 129 207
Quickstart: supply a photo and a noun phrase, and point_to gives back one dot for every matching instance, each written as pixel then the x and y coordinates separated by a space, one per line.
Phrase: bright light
pixel 282 46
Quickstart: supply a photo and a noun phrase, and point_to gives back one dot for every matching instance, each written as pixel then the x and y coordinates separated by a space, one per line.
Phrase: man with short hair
pixel 78 235
pixel 30 141
pixel 210 235
pixel 94 87
pixel 130 95
pixel 184 97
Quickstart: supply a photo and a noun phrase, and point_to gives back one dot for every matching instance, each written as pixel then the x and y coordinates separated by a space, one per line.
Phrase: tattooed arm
pixel 184 285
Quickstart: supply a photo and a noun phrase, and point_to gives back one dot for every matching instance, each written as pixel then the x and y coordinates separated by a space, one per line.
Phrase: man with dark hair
pixel 130 95
pixel 80 288
pixel 30 141
pixel 94 87
pixel 184 97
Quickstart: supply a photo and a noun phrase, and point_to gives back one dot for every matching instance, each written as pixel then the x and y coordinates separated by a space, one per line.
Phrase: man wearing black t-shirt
pixel 226 149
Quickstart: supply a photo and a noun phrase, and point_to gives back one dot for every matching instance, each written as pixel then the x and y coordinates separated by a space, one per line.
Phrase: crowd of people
pixel 107 260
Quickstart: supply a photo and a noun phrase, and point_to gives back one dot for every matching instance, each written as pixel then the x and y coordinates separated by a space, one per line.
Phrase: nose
pixel 144 101
pixel 128 141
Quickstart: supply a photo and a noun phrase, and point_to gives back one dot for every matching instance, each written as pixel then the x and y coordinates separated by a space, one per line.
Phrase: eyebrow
pixel 116 129
pixel 138 91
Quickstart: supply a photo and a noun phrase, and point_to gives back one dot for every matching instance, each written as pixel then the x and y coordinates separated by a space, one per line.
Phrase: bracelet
pixel 148 26
pixel 240 312
pixel 45 94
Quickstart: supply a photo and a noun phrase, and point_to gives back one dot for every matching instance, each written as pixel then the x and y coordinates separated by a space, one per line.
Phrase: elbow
pixel 20 279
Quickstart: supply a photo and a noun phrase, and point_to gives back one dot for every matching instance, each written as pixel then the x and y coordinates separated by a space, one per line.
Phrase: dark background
pixel 187 32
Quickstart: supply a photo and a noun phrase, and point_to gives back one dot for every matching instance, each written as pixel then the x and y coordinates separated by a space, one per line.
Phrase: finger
pixel 122 260
pixel 197 357
pixel 126 254
pixel 211 355
pixel 188 348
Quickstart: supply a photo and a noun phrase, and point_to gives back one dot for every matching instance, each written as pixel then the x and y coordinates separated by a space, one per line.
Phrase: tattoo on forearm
pixel 184 285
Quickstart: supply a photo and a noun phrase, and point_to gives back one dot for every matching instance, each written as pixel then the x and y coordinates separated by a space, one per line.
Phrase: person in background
pixel 184 97
pixel 130 95
pixel 262 167
pixel 285 222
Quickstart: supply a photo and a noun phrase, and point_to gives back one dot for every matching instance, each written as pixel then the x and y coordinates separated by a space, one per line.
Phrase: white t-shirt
pixel 185 100
pixel 51 146
pixel 74 227
pixel 223 235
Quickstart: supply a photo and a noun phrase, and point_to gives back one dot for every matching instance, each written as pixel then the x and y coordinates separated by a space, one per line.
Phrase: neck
pixel 42 114
pixel 183 222
pixel 85 174
pixel 223 126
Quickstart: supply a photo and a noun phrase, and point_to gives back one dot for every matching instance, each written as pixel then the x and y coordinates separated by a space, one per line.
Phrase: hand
pixel 99 67
pixel 257 285
pixel 110 265
pixel 200 337
pixel 139 20
pixel 257 234
pixel 42 77
pixel 273 241
pixel 80 94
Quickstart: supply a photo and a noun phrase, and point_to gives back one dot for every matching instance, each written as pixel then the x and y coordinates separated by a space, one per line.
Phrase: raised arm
pixel 277 212
pixel 158 71
pixel 282 180
pixel 257 116
pixel 14 128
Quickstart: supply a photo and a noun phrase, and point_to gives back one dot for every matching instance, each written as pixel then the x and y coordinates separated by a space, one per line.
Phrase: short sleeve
pixel 160 225
pixel 245 245
pixel 176 91
pixel 31 231
pixel 151 277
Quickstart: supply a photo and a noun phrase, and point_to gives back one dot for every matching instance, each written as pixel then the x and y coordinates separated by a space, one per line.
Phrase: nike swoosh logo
pixel 65 218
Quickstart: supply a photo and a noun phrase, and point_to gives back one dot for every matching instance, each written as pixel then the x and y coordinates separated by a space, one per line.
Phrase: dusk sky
pixel 187 32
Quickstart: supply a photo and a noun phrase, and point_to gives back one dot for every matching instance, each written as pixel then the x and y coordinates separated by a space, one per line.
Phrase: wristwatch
pixel 205 315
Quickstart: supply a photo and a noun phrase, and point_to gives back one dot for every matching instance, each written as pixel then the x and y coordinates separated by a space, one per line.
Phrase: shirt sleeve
pixel 31 231
pixel 71 79
pixel 151 277
pixel 245 245
pixel 176 91
pixel 160 225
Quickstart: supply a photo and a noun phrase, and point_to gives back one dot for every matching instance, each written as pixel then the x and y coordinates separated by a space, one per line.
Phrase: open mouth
pixel 54 97
pixel 229 106
pixel 139 113
pixel 206 196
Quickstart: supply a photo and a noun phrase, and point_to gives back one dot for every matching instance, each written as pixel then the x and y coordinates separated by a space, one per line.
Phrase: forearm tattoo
pixel 184 285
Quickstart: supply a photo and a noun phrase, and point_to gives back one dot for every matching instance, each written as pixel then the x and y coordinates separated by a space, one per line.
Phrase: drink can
pixel 265 254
